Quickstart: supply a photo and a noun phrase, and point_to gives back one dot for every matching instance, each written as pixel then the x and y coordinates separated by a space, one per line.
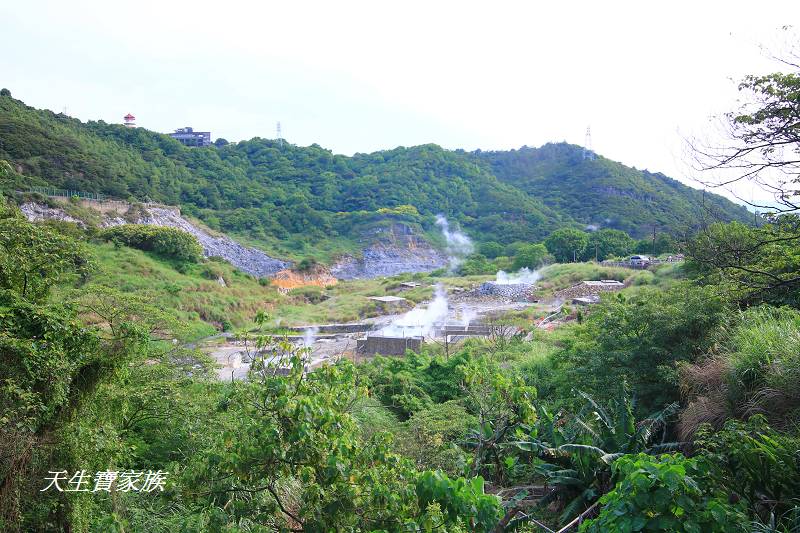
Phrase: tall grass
pixel 755 369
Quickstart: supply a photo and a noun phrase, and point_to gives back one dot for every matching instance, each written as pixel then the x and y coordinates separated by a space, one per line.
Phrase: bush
pixel 666 493
pixel 641 339
pixel 212 271
pixel 306 265
pixel 311 293
pixel 167 242
pixel 757 464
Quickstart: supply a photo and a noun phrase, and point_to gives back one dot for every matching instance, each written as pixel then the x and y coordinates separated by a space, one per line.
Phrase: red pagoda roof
pixel 129 117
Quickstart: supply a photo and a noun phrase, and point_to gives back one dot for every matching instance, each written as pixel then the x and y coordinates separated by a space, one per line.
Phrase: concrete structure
pixel 390 304
pixel 473 330
pixel 189 137
pixel 356 327
pixel 387 299
pixel 605 284
pixel 377 345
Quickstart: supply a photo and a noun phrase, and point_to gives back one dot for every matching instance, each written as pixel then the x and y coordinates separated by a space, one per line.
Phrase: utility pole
pixel 595 252
pixel 654 241
pixel 588 153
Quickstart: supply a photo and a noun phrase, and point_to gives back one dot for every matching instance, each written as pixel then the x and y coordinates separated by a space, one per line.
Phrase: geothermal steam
pixel 525 276
pixel 420 321
pixel 309 336
pixel 459 245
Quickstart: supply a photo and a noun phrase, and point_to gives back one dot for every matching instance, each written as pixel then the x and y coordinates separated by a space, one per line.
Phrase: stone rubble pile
pixel 584 290
pixel 246 259
pixel 512 291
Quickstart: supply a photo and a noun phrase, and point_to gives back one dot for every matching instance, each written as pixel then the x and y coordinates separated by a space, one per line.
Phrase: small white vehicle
pixel 639 260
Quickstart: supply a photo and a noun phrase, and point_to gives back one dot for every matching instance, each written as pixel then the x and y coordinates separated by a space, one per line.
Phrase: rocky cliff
pixel 390 250
pixel 244 258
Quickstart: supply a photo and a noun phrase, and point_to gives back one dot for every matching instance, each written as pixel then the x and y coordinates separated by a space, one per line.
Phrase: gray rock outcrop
pixel 394 249
pixel 246 259
pixel 37 213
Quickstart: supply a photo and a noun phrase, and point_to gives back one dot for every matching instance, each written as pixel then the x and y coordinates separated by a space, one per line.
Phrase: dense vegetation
pixel 669 406
pixel 277 192
pixel 603 193
pixel 167 242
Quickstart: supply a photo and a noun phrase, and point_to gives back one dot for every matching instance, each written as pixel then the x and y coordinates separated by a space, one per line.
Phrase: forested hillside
pixel 270 192
pixel 604 193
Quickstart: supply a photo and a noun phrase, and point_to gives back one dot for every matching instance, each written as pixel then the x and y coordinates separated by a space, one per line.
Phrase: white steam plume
pixel 420 320
pixel 523 276
pixel 459 245
pixel 309 335
pixel 468 314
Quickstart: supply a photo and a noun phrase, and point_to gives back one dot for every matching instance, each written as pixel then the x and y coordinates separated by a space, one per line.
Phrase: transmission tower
pixel 588 153
pixel 279 137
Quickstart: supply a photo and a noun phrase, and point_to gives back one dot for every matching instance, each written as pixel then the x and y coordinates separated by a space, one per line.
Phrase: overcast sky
pixel 365 76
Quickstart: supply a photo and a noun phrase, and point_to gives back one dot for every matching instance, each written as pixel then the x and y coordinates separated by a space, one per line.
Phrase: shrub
pixel 212 271
pixel 310 293
pixel 306 265
pixel 757 464
pixel 167 242
pixel 664 493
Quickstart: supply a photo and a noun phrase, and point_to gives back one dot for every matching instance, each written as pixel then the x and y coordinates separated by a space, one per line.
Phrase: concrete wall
pixel 388 345
pixel 336 328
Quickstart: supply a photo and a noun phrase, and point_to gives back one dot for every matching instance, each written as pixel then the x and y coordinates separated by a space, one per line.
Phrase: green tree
pixel 293 457
pixel 754 264
pixel 35 257
pixel 530 256
pixel 491 249
pixel 606 243
pixel 642 339
pixel 567 244
pixel 167 242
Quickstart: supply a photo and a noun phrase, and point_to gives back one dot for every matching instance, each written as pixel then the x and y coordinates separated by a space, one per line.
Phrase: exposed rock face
pixel 37 213
pixel 395 249
pixel 288 279
pixel 246 259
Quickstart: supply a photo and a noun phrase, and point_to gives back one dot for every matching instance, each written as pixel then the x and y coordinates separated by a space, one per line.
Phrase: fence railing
pixel 66 193
pixel 642 266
